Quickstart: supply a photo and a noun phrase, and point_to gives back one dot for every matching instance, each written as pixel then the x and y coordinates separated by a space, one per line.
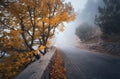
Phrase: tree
pixel 108 18
pixel 86 32
pixel 33 23
pixel 3 4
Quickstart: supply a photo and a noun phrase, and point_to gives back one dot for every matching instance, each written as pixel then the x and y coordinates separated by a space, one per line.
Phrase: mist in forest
pixel 85 13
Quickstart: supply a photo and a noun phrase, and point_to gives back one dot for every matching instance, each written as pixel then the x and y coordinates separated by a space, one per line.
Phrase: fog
pixel 85 11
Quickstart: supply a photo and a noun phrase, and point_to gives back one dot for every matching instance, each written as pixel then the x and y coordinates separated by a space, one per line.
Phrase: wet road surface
pixel 82 64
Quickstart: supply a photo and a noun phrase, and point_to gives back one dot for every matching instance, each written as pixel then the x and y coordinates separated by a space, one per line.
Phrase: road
pixel 83 64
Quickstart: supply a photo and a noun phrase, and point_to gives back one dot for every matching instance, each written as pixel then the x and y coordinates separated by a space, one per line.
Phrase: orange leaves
pixel 12 39
pixel 36 52
pixel 46 20
pixel 66 17
pixel 58 71
pixel 16 10
pixel 28 3
pixel 12 65
pixel 42 47
pixel 37 34
pixel 15 32
pixel 4 33
pixel 38 20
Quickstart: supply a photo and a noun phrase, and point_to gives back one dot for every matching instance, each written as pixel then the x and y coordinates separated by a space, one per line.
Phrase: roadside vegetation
pixel 108 20
pixel 87 32
pixel 58 69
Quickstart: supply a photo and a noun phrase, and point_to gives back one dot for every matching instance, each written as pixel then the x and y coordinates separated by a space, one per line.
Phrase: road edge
pixel 40 69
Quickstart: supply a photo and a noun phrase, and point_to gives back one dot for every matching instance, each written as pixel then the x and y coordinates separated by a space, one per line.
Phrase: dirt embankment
pixel 103 47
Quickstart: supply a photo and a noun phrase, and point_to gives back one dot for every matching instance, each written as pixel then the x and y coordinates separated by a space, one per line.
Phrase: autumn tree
pixel 32 23
pixel 3 4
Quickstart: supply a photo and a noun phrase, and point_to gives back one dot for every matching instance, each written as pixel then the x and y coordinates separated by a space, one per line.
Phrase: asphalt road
pixel 82 64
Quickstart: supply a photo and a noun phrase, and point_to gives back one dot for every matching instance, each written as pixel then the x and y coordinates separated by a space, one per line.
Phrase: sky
pixel 86 11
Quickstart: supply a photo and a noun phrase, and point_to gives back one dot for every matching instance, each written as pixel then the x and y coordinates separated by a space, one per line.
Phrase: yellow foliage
pixel 36 52
pixel 12 65
pixel 58 70
pixel 37 34
pixel 42 47
pixel 46 20
pixel 27 15
pixel 26 28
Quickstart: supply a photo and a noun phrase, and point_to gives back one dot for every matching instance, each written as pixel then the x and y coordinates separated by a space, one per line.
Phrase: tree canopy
pixel 26 28
pixel 108 17
pixel 29 23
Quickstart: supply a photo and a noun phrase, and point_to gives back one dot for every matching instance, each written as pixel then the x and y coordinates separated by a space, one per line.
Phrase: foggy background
pixel 86 11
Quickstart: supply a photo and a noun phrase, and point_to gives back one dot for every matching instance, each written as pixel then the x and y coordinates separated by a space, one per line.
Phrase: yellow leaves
pixel 12 39
pixel 15 9
pixel 42 47
pixel 28 59
pixel 43 15
pixel 20 11
pixel 28 3
pixel 46 20
pixel 29 54
pixel 51 12
pixel 71 18
pixel 18 63
pixel 13 64
pixel 36 52
pixel 58 71
pixel 21 55
pixel 64 15
pixel 37 34
pixel 58 18
pixel 15 32
pixel 61 17
pixel 4 33
pixel 4 40
pixel 54 20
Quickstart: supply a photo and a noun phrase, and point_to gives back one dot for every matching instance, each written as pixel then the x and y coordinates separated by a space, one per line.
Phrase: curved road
pixel 82 64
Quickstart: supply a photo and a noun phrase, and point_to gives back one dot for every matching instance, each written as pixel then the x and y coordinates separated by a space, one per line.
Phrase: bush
pixel 86 32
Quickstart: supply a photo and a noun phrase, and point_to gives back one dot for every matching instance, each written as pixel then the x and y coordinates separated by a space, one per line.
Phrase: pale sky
pixel 77 4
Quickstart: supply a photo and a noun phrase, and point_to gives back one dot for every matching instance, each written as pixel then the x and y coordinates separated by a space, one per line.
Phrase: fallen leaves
pixel 58 70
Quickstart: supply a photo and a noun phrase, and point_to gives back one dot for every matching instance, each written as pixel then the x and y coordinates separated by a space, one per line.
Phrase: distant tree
pixel 108 18
pixel 85 32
